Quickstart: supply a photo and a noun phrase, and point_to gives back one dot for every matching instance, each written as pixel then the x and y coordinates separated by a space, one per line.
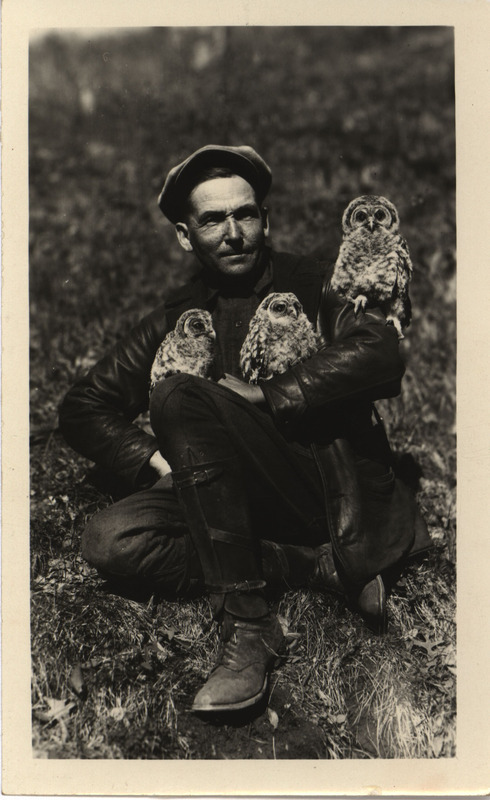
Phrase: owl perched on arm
pixel 189 348
pixel 374 266
pixel 279 336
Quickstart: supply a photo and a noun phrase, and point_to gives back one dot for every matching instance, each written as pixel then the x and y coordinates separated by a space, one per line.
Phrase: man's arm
pixel 97 413
pixel 250 392
pixel 361 362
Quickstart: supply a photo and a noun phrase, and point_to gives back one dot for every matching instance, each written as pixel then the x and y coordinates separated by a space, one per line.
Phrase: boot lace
pixel 229 655
pixel 229 652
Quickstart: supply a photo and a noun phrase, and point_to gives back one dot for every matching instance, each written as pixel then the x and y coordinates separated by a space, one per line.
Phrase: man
pixel 285 483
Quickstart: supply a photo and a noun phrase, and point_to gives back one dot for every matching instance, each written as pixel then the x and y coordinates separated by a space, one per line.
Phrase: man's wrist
pixel 159 464
pixel 259 396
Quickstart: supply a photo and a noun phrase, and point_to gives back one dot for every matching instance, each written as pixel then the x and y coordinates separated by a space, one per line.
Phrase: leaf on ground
pixel 57 709
pixel 118 712
pixel 323 696
pixel 77 682
pixel 291 636
pixel 437 745
pixel 432 648
pixel 273 717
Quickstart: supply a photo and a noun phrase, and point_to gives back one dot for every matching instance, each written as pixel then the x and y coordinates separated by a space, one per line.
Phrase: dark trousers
pixel 196 421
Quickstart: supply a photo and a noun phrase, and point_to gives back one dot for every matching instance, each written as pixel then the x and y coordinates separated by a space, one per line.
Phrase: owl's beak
pixel 371 224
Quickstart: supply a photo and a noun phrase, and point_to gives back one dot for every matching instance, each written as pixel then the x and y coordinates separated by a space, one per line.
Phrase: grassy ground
pixel 336 112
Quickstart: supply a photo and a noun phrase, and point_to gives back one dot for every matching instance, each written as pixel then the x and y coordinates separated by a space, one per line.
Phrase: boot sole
pixel 235 706
pixel 377 623
pixel 250 701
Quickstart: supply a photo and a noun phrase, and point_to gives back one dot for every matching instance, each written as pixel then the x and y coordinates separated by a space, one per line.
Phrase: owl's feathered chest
pixel 367 261
pixel 271 348
pixel 182 354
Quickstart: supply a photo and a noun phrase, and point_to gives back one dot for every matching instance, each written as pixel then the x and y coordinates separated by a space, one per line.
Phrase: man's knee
pixel 142 534
pixel 181 408
pixel 99 542
pixel 168 394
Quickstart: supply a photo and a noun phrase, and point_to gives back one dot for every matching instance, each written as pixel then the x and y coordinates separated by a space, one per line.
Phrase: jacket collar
pixel 199 292
pixel 262 284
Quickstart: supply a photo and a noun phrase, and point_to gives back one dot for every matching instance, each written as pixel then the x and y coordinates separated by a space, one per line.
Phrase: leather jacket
pixel 326 400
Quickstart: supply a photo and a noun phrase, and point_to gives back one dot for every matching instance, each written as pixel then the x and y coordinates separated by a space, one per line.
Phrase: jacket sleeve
pixel 360 361
pixel 97 413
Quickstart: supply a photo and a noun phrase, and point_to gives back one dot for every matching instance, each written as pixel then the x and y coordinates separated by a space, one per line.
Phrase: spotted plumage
pixel 279 336
pixel 189 348
pixel 373 267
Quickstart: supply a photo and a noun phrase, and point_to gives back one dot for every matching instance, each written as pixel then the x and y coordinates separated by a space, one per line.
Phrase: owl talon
pixel 360 303
pixel 396 324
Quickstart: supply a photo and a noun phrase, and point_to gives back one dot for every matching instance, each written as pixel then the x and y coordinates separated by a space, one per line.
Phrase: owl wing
pixel 405 255
pixel 404 276
pixel 309 337
pixel 165 362
pixel 254 354
pixel 342 276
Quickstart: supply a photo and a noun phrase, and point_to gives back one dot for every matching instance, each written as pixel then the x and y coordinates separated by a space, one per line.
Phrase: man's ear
pixel 182 232
pixel 265 220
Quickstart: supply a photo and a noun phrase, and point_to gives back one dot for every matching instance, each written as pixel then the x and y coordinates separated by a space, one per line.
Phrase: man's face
pixel 224 227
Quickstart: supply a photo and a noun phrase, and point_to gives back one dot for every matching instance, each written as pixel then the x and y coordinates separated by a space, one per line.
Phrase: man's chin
pixel 240 264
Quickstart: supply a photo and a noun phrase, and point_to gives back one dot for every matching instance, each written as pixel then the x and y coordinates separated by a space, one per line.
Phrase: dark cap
pixel 243 160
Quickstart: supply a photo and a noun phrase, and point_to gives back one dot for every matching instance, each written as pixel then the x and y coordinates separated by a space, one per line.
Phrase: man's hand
pixel 159 464
pixel 253 394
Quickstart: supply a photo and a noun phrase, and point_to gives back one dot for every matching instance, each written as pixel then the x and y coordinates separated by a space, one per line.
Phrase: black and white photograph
pixel 273 547
pixel 242 393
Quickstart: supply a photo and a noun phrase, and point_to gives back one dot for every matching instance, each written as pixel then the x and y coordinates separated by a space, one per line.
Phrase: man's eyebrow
pixel 248 207
pixel 221 214
pixel 211 214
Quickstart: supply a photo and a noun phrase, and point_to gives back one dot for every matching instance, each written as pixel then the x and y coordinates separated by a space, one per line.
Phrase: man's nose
pixel 232 230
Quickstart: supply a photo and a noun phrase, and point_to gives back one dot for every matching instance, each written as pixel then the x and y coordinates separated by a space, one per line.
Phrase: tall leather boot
pixel 218 518
pixel 292 566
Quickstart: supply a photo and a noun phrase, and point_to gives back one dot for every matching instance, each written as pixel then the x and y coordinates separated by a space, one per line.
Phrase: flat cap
pixel 243 160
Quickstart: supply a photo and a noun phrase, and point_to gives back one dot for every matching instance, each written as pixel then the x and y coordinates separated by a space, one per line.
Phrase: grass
pixel 336 112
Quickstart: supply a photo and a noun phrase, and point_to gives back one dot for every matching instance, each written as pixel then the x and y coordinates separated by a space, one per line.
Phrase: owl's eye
pixel 279 308
pixel 360 216
pixel 198 325
pixel 194 327
pixel 380 214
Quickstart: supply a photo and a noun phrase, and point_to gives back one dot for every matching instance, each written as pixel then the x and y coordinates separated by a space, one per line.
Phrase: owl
pixel 189 348
pixel 279 336
pixel 374 266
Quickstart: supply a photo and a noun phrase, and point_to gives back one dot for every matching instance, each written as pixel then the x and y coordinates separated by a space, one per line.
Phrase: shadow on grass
pixel 234 719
